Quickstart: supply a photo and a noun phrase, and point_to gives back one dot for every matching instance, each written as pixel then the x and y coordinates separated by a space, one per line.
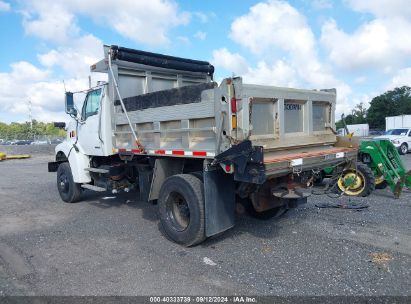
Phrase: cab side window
pixel 92 104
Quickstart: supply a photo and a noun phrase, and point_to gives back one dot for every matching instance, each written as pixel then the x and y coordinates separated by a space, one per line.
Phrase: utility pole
pixel 30 116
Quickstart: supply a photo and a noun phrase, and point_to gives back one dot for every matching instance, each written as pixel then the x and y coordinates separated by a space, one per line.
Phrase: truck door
pixel 89 129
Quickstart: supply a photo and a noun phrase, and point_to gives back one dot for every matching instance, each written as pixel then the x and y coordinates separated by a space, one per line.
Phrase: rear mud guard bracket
pixel 164 168
pixel 219 195
pixel 248 161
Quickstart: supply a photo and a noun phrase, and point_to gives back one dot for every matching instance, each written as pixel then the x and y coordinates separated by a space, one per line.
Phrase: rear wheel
pixel 403 149
pixel 181 209
pixel 70 191
pixel 358 181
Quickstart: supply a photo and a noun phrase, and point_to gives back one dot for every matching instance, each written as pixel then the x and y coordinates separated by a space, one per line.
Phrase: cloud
pixel 278 74
pixel 321 4
pixel 276 25
pixel 184 40
pixel 72 50
pixel 75 58
pixel 49 21
pixel 4 6
pixel 232 62
pixel 14 87
pixel 379 43
pixel 201 16
pixel 146 22
pixel 382 8
pixel 27 82
pixel 200 35
pixel 141 21
pixel 275 28
pixel 44 85
pixel 360 80
pixel 402 78
pixel 25 71
pixel 273 24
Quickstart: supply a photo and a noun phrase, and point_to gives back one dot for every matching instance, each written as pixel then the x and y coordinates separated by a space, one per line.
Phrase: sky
pixel 360 47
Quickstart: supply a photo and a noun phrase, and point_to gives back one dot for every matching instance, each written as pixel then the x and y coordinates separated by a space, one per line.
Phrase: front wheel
pixel 357 181
pixel 70 191
pixel 181 209
pixel 403 149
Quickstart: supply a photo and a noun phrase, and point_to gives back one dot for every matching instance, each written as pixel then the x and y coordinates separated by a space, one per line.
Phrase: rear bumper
pixel 255 165
pixel 279 165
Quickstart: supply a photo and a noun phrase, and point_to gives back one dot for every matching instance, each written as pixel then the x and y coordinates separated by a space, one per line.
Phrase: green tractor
pixel 379 166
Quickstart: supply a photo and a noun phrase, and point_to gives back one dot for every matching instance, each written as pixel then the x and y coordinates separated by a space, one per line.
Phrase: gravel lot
pixel 112 246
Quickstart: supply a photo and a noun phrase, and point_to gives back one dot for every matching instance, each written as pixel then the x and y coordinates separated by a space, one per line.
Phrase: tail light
pixel 233 105
pixel 234 121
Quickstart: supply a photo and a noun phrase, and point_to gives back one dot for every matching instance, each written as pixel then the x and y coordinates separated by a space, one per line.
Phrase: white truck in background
pixel 398 131
pixel 163 127
pixel 360 130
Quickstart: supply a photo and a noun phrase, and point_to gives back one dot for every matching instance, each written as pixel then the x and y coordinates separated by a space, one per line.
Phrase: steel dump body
pixel 186 111
pixel 185 114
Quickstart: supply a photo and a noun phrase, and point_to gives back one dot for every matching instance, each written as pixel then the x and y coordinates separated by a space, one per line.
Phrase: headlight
pixel 395 141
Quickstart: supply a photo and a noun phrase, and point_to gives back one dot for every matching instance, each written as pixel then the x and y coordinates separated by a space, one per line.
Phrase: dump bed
pixel 182 112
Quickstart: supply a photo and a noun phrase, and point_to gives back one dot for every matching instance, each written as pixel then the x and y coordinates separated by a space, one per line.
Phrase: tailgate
pixel 279 118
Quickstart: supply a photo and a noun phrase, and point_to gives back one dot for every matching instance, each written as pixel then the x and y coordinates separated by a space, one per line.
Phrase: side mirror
pixel 69 102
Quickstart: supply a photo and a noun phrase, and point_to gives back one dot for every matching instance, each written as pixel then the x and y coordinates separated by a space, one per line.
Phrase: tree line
pixel 23 130
pixel 391 103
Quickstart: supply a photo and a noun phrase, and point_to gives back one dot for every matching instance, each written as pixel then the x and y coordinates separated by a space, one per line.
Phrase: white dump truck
pixel 163 128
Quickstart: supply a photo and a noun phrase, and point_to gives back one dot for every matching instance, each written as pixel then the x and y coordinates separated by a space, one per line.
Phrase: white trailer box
pixel 400 121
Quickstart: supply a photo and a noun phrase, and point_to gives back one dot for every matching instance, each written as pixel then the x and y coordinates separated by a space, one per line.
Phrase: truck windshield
pixel 396 132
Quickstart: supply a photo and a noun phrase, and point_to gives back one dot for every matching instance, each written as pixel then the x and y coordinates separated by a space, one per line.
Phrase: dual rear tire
pixel 181 209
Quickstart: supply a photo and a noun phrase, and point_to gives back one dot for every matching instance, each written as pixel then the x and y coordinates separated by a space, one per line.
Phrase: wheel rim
pixel 178 211
pixel 352 182
pixel 63 183
pixel 404 149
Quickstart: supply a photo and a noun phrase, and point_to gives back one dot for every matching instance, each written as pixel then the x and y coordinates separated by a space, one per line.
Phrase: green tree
pixel 358 116
pixel 391 103
pixel 16 130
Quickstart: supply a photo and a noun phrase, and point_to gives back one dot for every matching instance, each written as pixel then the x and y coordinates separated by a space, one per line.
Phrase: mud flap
pixel 219 194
